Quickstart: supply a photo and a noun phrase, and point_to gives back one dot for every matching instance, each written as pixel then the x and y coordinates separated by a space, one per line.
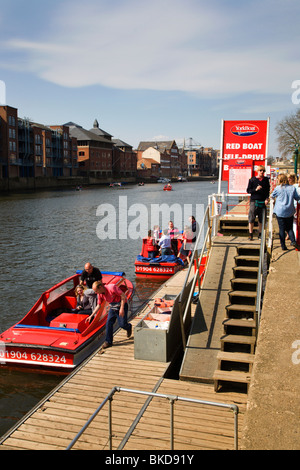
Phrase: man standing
pixel 118 309
pixel 90 275
pixel 259 189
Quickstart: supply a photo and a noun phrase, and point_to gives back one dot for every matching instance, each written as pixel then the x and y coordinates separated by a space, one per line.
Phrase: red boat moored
pixel 49 336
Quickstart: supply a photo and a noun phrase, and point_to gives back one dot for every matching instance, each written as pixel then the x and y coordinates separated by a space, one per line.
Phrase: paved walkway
pixel 273 411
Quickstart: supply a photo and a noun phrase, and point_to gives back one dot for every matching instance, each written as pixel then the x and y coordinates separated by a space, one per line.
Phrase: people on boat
pixel 195 227
pixel 173 233
pixel 151 245
pixel 84 302
pixel 89 275
pixel 118 309
pixel 165 243
pixel 187 244
pixel 156 233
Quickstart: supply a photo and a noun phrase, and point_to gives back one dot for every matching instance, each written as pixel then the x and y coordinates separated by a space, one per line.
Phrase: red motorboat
pixel 160 267
pixel 49 336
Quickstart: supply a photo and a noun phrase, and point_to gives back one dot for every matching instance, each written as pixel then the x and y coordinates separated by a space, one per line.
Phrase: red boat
pixel 160 267
pixel 49 336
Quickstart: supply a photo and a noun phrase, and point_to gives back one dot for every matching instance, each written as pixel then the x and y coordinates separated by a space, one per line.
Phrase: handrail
pixel 196 277
pixel 260 266
pixel 171 398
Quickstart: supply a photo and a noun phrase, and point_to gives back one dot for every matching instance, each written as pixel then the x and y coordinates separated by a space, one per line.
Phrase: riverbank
pixel 11 185
pixel 273 409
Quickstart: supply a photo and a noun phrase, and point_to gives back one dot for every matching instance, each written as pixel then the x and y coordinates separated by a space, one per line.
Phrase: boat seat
pixel 70 320
pixel 69 302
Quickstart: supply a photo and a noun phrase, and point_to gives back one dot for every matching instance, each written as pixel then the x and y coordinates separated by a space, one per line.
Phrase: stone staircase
pixel 235 225
pixel 236 355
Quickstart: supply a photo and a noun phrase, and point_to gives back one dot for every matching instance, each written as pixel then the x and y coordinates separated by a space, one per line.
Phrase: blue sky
pixel 165 69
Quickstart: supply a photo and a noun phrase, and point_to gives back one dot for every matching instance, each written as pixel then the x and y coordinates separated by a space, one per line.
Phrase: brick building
pixel 100 156
pixel 202 161
pixel 30 150
pixel 124 159
pixel 159 159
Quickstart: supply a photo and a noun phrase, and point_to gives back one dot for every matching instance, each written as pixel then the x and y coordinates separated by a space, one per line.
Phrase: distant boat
pixel 163 180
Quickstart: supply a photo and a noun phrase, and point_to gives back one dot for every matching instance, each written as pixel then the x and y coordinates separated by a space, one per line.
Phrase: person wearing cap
pixel 259 190
pixel 118 309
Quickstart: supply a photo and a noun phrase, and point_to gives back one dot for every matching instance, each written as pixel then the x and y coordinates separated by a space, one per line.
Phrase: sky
pixel 159 70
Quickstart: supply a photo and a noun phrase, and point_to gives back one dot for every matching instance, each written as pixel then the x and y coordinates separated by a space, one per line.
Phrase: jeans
pixel 113 314
pixel 285 224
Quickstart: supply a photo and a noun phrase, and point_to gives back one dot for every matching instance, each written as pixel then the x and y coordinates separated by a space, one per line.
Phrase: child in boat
pixel 186 246
pixel 151 245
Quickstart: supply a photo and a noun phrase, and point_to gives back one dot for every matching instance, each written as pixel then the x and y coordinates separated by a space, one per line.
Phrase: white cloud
pixel 182 45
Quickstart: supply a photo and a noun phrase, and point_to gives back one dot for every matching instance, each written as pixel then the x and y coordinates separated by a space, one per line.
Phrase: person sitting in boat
pixel 89 275
pixel 165 244
pixel 118 308
pixel 84 302
pixel 151 245
pixel 186 246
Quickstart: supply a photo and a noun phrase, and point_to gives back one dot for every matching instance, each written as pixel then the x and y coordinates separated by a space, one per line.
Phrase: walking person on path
pixel 284 195
pixel 259 189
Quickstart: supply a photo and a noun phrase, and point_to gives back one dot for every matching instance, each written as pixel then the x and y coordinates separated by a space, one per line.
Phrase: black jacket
pixel 261 194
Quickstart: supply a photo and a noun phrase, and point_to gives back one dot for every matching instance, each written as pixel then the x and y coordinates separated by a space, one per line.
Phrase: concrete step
pixel 248 250
pixel 248 272
pixel 240 323
pixel 242 297
pixel 241 308
pixel 235 357
pixel 231 376
pixel 238 339
pixel 247 260
pixel 241 284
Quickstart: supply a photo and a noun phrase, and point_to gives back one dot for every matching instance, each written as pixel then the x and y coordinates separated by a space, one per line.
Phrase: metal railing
pixel 216 214
pixel 194 262
pixel 172 399
pixel 260 267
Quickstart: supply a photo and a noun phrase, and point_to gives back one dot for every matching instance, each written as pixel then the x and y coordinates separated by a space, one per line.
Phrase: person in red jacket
pixel 151 246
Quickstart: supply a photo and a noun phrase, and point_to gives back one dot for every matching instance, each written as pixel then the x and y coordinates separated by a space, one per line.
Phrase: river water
pixel 46 236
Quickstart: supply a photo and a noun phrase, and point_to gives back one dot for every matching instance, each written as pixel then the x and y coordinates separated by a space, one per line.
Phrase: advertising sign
pixel 244 146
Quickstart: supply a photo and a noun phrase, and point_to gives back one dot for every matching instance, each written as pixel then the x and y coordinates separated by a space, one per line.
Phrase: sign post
pixel 244 146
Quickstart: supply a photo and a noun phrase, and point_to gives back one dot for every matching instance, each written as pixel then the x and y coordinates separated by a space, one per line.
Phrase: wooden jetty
pixel 138 422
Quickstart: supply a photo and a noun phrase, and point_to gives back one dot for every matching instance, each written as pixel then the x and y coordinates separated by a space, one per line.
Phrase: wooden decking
pixel 57 421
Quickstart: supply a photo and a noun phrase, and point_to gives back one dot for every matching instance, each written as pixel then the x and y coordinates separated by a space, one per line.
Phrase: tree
pixel 288 131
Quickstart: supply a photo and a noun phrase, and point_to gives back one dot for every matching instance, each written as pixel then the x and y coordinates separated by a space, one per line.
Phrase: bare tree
pixel 288 131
